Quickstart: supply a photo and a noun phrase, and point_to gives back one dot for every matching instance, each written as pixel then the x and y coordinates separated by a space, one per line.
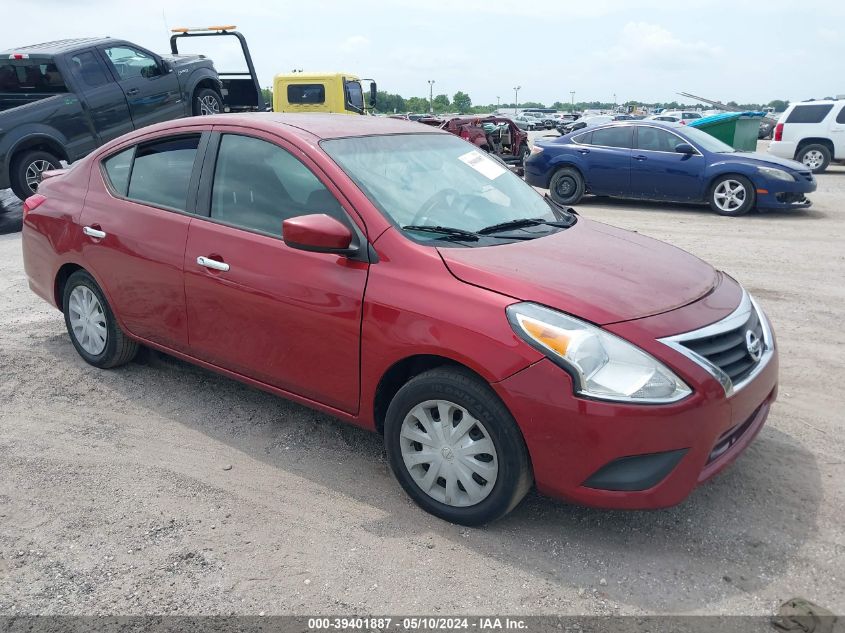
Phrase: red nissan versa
pixel 396 277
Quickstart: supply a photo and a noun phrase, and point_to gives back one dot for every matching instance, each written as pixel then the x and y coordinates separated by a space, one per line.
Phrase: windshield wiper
pixel 521 222
pixel 445 230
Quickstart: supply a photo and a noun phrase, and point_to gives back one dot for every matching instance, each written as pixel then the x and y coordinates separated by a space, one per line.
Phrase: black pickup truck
pixel 61 100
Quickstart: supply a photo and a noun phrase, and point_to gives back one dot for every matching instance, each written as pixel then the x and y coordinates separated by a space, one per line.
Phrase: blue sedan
pixel 650 160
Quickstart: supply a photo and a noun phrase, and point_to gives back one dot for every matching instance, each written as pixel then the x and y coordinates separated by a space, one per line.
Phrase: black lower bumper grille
pixel 730 437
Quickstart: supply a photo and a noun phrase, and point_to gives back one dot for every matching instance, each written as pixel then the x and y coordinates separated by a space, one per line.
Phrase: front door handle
pixel 212 263
pixel 640 158
pixel 132 91
pixel 90 231
pixel 583 151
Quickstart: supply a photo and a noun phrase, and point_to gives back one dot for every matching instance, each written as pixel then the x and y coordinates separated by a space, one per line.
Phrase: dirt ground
pixel 164 488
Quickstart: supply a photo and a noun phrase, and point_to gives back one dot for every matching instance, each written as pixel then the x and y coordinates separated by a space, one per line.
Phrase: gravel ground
pixel 164 488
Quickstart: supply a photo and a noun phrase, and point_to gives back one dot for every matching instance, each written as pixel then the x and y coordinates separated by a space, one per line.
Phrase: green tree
pixel 267 93
pixel 779 104
pixel 441 103
pixel 417 104
pixel 462 102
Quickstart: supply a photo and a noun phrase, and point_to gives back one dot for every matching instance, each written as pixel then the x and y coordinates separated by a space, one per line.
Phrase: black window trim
pixel 660 151
pixel 193 181
pixel 206 182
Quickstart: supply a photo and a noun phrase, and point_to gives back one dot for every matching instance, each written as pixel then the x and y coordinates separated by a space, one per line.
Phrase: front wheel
pixel 27 169
pixel 455 448
pixel 732 195
pixel 816 157
pixel 524 151
pixel 207 101
pixel 567 186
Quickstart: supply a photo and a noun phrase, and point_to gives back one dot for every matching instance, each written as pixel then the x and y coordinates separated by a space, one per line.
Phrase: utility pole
pixel 516 90
pixel 572 95
pixel 497 103
pixel 431 96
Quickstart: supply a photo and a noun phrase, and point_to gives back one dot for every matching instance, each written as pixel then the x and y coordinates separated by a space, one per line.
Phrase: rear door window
pixel 619 136
pixel 161 171
pixel 86 67
pixel 810 113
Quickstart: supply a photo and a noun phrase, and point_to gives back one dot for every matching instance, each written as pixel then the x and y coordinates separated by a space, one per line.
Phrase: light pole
pixel 614 102
pixel 431 96
pixel 497 104
pixel 516 90
pixel 572 96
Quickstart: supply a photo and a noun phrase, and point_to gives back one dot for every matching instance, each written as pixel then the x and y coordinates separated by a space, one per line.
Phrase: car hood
pixel 766 160
pixel 591 270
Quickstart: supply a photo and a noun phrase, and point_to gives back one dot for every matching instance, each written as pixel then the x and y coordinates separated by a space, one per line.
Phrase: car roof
pixel 59 46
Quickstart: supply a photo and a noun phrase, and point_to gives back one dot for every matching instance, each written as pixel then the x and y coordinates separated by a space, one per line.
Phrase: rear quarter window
pixel 840 118
pixel 118 168
pixel 812 113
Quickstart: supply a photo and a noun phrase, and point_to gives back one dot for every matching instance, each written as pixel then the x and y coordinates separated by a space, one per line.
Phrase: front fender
pixel 723 168
pixel 194 77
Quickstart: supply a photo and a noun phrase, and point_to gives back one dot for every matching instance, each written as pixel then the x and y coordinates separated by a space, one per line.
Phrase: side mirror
pixel 165 67
pixel 318 233
pixel 373 92
pixel 684 148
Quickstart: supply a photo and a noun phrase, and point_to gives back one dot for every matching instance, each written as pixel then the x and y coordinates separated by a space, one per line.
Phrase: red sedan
pixel 395 276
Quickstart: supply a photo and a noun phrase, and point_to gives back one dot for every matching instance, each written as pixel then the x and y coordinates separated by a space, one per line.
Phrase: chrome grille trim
pixel 733 321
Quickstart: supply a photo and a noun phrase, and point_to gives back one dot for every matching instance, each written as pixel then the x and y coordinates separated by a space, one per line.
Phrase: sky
pixel 643 50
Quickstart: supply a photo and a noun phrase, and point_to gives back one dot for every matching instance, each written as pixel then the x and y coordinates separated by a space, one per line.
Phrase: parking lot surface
pixel 164 488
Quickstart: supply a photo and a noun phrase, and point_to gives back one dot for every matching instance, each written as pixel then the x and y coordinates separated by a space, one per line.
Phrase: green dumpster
pixel 737 129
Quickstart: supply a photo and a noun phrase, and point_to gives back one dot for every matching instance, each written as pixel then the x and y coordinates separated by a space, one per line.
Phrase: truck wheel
pixel 207 101
pixel 26 171
pixel 816 157
pixel 524 151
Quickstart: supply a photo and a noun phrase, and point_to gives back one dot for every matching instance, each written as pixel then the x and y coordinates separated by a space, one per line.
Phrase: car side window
pixel 87 69
pixel 130 63
pixel 653 139
pixel 257 185
pixel 118 168
pixel 161 171
pixel 811 113
pixel 621 136
pixel 584 138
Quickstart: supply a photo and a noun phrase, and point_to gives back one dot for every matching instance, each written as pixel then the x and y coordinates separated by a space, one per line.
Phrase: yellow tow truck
pixel 322 92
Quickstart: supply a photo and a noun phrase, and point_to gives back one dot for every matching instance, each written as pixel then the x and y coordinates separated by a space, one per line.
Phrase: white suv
pixel 811 132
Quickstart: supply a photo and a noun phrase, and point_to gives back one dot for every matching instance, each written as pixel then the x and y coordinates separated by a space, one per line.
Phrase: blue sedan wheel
pixel 567 186
pixel 732 195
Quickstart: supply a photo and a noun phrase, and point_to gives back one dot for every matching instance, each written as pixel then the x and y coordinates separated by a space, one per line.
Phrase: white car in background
pixel 676 116
pixel 811 132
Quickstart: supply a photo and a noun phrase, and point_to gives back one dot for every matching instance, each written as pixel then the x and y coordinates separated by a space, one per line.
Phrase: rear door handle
pixel 583 151
pixel 212 263
pixel 132 91
pixel 92 232
pixel 640 157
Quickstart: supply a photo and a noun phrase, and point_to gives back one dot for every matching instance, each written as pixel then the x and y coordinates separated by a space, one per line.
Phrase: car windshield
pixel 433 180
pixel 708 142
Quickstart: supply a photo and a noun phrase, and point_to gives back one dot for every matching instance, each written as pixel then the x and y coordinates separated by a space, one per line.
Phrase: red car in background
pixel 494 134
pixel 496 339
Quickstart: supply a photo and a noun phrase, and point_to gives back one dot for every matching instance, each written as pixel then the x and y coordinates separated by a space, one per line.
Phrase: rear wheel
pixel 91 325
pixel 207 101
pixel 455 448
pixel 816 157
pixel 567 186
pixel 732 195
pixel 27 170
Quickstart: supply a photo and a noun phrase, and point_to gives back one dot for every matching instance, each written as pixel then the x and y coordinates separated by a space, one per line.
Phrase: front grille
pixel 805 175
pixel 729 350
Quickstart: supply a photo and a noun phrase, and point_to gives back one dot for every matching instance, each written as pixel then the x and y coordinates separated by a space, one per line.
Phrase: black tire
pixel 802 153
pixel 748 200
pixel 466 390
pixel 567 186
pixel 207 99
pixel 39 161
pixel 119 348
pixel 524 151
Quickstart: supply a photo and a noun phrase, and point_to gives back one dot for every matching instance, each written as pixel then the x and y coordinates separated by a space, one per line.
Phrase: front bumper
pixel 571 439
pixel 780 194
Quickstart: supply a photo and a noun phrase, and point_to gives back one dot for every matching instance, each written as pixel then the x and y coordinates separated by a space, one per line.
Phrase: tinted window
pixel 354 96
pixel 161 171
pixel 840 118
pixel 584 139
pixel 129 62
pixel 87 69
pixel 656 140
pixel 306 93
pixel 691 115
pixel 258 185
pixel 809 113
pixel 621 136
pixel 25 76
pixel 118 168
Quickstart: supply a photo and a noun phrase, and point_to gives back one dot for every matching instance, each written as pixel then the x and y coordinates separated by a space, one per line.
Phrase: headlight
pixel 777 174
pixel 602 365
pixel 536 150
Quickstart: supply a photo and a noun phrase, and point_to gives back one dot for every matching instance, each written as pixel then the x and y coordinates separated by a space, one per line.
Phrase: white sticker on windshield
pixel 483 164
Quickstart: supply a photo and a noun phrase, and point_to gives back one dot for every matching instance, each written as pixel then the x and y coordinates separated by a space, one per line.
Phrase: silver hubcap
pixel 449 453
pixel 813 159
pixel 209 105
pixel 34 171
pixel 730 195
pixel 87 320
